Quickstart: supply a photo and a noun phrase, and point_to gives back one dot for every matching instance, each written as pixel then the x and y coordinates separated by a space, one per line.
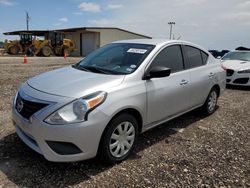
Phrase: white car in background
pixel 237 65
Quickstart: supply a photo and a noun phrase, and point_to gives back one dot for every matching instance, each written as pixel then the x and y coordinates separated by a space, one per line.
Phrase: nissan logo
pixel 19 105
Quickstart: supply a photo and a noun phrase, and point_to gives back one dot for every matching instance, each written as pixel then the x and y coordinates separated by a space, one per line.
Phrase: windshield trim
pixel 110 58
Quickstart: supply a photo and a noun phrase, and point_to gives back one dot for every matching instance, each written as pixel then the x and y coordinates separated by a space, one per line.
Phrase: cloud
pixel 103 22
pixel 240 17
pixel 244 5
pixel 189 2
pixel 64 19
pixel 114 6
pixel 57 24
pixel 6 2
pixel 190 24
pixel 61 22
pixel 198 21
pixel 77 13
pixel 90 7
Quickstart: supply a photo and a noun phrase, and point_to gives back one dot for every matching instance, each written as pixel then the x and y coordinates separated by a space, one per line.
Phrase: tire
pixel 210 105
pixel 121 132
pixel 46 51
pixel 14 50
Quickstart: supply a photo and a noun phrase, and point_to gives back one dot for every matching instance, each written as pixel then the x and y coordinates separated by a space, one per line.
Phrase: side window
pixel 170 57
pixel 204 57
pixel 194 57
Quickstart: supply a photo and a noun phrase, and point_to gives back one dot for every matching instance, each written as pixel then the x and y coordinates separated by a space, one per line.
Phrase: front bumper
pixel 240 79
pixel 51 140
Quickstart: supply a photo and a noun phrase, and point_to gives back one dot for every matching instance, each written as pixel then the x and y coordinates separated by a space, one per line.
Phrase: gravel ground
pixel 190 151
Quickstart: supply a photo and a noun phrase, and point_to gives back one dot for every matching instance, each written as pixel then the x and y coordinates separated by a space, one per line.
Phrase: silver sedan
pixel 101 104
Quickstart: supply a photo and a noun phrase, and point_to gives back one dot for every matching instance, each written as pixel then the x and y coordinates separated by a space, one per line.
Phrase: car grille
pixel 241 81
pixel 28 108
pixel 230 72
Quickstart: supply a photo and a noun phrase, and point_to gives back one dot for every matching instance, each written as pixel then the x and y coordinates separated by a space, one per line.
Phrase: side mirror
pixel 157 72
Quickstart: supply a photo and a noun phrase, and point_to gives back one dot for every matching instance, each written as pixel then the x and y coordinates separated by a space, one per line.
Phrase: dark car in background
pixel 218 54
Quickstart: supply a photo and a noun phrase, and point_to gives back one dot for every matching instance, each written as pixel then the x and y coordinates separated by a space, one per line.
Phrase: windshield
pixel 245 56
pixel 115 58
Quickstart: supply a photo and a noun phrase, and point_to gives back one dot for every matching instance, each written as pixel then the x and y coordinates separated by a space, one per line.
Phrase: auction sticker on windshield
pixel 137 51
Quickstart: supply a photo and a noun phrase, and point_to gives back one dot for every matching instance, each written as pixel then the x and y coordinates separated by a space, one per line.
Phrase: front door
pixel 168 96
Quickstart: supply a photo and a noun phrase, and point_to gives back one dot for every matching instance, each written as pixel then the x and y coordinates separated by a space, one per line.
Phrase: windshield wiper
pixel 79 67
pixel 94 69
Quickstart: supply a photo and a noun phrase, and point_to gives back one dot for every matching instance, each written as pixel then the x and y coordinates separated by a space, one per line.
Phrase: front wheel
pixel 210 105
pixel 13 50
pixel 118 139
pixel 46 51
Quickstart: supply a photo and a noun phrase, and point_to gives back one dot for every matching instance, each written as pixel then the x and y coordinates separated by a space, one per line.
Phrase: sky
pixel 213 24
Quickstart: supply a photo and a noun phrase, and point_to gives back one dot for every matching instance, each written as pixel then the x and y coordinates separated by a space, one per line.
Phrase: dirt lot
pixel 209 151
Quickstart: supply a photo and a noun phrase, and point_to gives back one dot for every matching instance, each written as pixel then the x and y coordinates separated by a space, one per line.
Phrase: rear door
pixel 201 74
pixel 168 96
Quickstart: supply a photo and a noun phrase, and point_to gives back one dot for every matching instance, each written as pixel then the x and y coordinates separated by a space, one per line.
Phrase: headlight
pixel 77 110
pixel 244 71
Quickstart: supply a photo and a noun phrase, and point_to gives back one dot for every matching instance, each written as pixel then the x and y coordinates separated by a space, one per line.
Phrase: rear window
pixel 194 57
pixel 204 57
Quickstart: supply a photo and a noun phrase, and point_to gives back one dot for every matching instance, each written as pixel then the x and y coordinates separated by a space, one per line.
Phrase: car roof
pixel 145 41
pixel 149 41
pixel 159 42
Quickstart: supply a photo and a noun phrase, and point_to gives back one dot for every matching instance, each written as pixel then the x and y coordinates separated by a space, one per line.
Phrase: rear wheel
pixel 46 51
pixel 210 105
pixel 14 50
pixel 118 139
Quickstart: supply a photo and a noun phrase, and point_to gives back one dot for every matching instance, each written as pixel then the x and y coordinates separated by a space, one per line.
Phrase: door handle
pixel 184 82
pixel 211 74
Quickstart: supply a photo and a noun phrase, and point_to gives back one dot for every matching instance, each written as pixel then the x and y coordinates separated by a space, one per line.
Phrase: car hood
pixel 70 82
pixel 236 64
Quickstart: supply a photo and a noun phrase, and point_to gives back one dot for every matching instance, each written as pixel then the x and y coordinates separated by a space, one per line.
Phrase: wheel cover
pixel 122 139
pixel 212 101
pixel 46 51
pixel 13 50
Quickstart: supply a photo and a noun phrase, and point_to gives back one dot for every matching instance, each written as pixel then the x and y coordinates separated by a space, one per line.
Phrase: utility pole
pixel 27 20
pixel 171 29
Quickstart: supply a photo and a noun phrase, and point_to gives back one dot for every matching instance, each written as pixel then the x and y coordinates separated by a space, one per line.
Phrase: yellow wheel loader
pixel 23 45
pixel 60 45
pixel 54 43
pixel 12 47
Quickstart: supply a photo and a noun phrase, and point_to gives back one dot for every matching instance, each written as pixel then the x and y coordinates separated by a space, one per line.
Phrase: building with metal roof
pixel 88 39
